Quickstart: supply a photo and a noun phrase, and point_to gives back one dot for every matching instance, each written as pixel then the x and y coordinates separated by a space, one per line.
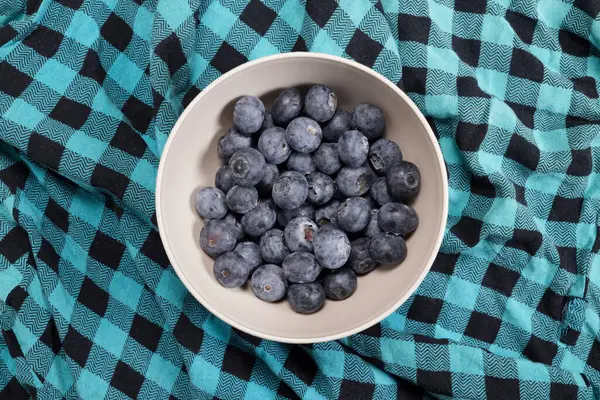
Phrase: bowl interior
pixel 190 161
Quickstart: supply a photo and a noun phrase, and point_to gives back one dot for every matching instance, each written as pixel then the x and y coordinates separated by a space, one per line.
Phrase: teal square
pixel 87 207
pixel 518 314
pixel 545 183
pixel 25 337
pixel 532 371
pixel 83 29
pixel 572 363
pixel 323 43
pixel 163 372
pixel 262 49
pixel 442 106
pixel 492 81
pixel 552 12
pixel 461 292
pixel 255 391
pixel 552 141
pixel 458 201
pixel 554 99
pixel 62 301
pixel 86 146
pixel 312 394
pixel 293 13
pixel 450 151
pixel 217 329
pixel 36 292
pixel 110 337
pixel 356 10
pixel 503 212
pixel 60 375
pixel 501 351
pixel 145 174
pixel 490 162
pixel 111 3
pixel 586 234
pixel 442 59
pixel 23 114
pixel 395 321
pixel 550 58
pixel 593 66
pixel 125 72
pixel 381 377
pixel 502 116
pixel 125 289
pixel 74 254
pixel 197 66
pixel 90 386
pixel 218 19
pixel 204 375
pixel 595 270
pixel 55 75
pixel 105 105
pixel 592 322
pixel 390 6
pixel 440 15
pixel 174 11
pixel 465 359
pixel 441 332
pixel 331 362
pixel 171 289
pixel 399 352
pixel 593 187
pixel 142 25
pixel 497 30
pixel 540 270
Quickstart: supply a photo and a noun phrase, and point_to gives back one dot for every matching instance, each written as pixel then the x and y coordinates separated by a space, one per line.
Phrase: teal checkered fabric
pixel 90 307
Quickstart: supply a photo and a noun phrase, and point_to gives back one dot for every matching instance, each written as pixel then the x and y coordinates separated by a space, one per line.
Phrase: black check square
pixel 500 279
pixel 439 382
pixel 16 298
pixel 482 186
pixel 92 67
pixel 594 356
pixel 145 332
pixel 247 337
pixel 286 392
pixel 301 364
pixel 581 162
pixel 483 327
pixel 413 28
pixel 363 49
pixel 48 255
pixel 154 250
pixel 107 250
pixel 586 85
pixel 74 4
pixel 470 136
pixel 522 151
pixel 106 178
pixel 15 244
pixel 373 330
pixel 139 113
pixel 467 50
pixel 414 80
pixel 467 86
pixel 540 350
pixel 44 40
pixel 15 176
pixel 568 258
pixel 525 65
pixel 596 246
pixel 13 390
pixel 300 45
pixel 524 113
pixel 70 113
pixel 258 16
pixel 238 362
pixel 128 140
pixel 7 33
pixel 591 8
pixel 188 334
pixel 127 380
pixel 117 32
pixel 523 26
pixel 170 51
pixel 573 44
pixel 13 81
pixel 93 297
pixel 227 58
pixel 520 194
pixel 552 304
pixel 468 230
pixel 501 389
pixel 31 6
pixel 189 96
pixel 526 240
pixel 566 210
pixel 45 151
pixel 352 390
pixel 560 391
pixel 321 10
pixel 58 215
pixel 470 6
pixel 14 349
pixel 77 346
pixel 570 336
pixel 445 263
pixel 50 337
pixel 425 309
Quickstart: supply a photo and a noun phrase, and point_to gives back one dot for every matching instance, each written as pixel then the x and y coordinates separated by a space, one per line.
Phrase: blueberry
pixel 320 103
pixel 250 253
pixel 272 247
pixel 210 203
pixel 285 216
pixel 404 180
pixel 224 179
pixel 303 135
pixel 368 119
pixel 387 248
pixel 301 267
pixel 326 158
pixel 231 219
pixel 380 192
pixel 320 188
pixel 371 201
pixel 232 142
pixel 306 298
pixel 248 114
pixel 301 162
pixel 327 215
pixel 265 186
pixel 360 259
pixel 247 166
pixel 287 106
pixel 267 283
pixel 241 199
pixel 383 154
pixel 353 148
pixel 290 190
pixel 217 237
pixel 268 121
pixel 300 233
pixel 331 247
pixel 354 214
pixel 355 181
pixel 373 228
pixel 258 220
pixel 273 146
pixel 338 124
pixel 231 270
pixel 398 218
pixel 340 284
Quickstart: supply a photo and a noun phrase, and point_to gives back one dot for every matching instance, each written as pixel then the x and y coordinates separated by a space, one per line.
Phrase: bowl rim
pixel 196 293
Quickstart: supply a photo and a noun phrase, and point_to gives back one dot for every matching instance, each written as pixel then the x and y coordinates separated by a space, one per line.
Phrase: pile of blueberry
pixel 309 197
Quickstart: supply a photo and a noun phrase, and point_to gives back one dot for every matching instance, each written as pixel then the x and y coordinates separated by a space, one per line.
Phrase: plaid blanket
pixel 89 305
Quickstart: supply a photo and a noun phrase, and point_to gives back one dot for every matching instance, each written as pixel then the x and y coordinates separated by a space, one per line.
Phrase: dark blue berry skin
pixel 387 249
pixel 248 114
pixel 285 216
pixel 353 148
pixel 247 166
pixel 241 199
pixel 231 219
pixel 320 103
pixel 340 284
pixel 398 218
pixel 287 106
pixel 327 215
pixel 217 237
pixel 231 270
pixel 354 214
pixel 303 135
pixel 210 203
pixel 368 119
pixel 326 158
pixel 258 220
pixel 355 181
pixel 360 260
pixel 320 188
pixel 383 154
pixel 301 162
pixel 380 192
pixel 301 267
pixel 251 253
pixel 373 228
pixel 404 180
pixel 306 298
pixel 331 248
pixel 272 247
pixel 273 147
pixel 300 233
pixel 290 190
pixel 267 121
pixel 268 284
pixel 224 179
pixel 338 124
pixel 232 142
pixel 371 200
pixel 265 186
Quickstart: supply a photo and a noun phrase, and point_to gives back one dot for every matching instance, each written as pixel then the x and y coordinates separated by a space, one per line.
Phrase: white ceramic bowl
pixel 190 160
